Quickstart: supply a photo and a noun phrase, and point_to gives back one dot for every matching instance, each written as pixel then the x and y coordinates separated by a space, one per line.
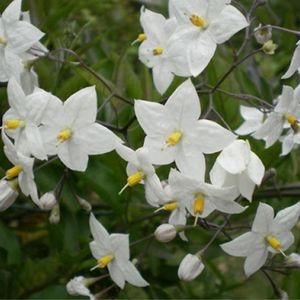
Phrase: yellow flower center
pixel 64 135
pixel 13 172
pixel 3 40
pixel 104 261
pixel 199 204
pixel 292 120
pixel 174 138
pixel 273 242
pixel 13 124
pixel 135 179
pixel 157 51
pixel 198 21
pixel 171 206
pixel 141 37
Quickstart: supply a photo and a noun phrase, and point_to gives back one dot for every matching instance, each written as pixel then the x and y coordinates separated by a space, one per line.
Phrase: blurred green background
pixel 37 258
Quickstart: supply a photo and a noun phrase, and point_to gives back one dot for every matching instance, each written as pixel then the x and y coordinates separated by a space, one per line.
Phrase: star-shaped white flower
pixel 22 169
pixel 268 234
pixel 286 114
pixel 70 130
pixel 16 37
pixel 295 63
pixel 22 120
pixel 174 131
pixel 112 251
pixel 157 50
pixel 140 170
pixel 202 25
pixel 238 166
pixel 253 120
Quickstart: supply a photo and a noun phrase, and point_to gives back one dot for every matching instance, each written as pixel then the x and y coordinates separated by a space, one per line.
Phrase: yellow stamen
pixel 171 206
pixel 174 138
pixel 3 40
pixel 273 242
pixel 13 124
pixel 104 261
pixel 13 172
pixel 198 206
pixel 135 179
pixel 198 21
pixel 141 37
pixel 293 121
pixel 157 51
pixel 64 135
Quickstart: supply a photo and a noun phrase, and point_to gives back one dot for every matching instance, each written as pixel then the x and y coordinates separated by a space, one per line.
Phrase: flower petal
pixel 132 275
pixel 255 261
pixel 263 218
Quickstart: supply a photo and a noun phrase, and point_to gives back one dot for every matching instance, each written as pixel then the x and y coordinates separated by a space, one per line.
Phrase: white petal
pixel 183 105
pixel 213 137
pixel 235 157
pixel 127 154
pixel 248 127
pixel 263 218
pixel 285 99
pixel 116 274
pixel 153 117
pixel 98 231
pixel 35 141
pixel 246 186
pixel 16 96
pixel 217 175
pixel 286 239
pixel 132 275
pixel 81 107
pixel 255 169
pixel 287 143
pixel 229 22
pixel 98 250
pixel 162 77
pixel 295 64
pixel 12 12
pixel 120 245
pixel 95 139
pixel 242 245
pixel 251 113
pixel 255 261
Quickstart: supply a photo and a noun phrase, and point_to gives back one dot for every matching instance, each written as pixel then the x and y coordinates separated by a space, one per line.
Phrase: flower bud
pixel 190 267
pixel 84 204
pixel 8 193
pixel 165 233
pixel 78 286
pixel 55 214
pixel 269 47
pixel 47 201
pixel 263 33
pixel 293 260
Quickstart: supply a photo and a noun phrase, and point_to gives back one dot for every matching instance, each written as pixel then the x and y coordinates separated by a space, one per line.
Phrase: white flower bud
pixel 293 260
pixel 190 267
pixel 78 286
pixel 8 193
pixel 55 214
pixel 47 201
pixel 84 204
pixel 262 35
pixel 165 233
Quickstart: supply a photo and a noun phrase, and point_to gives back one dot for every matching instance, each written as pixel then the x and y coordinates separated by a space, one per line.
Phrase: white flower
pixel 267 234
pixel 70 130
pixel 47 201
pixel 190 267
pixel 140 170
pixel 78 286
pixel 238 166
pixel 202 25
pixel 112 251
pixel 157 50
pixel 22 169
pixel 201 198
pixel 8 193
pixel 165 233
pixel 262 35
pixel 253 120
pixel 173 130
pixel 22 120
pixel 16 37
pixel 295 63
pixel 285 114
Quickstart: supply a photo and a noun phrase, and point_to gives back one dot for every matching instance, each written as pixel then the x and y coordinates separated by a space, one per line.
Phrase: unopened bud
pixel 165 233
pixel 293 260
pixel 283 295
pixel 84 204
pixel 55 214
pixel 269 47
pixel 79 286
pixel 263 33
pixel 190 267
pixel 47 201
